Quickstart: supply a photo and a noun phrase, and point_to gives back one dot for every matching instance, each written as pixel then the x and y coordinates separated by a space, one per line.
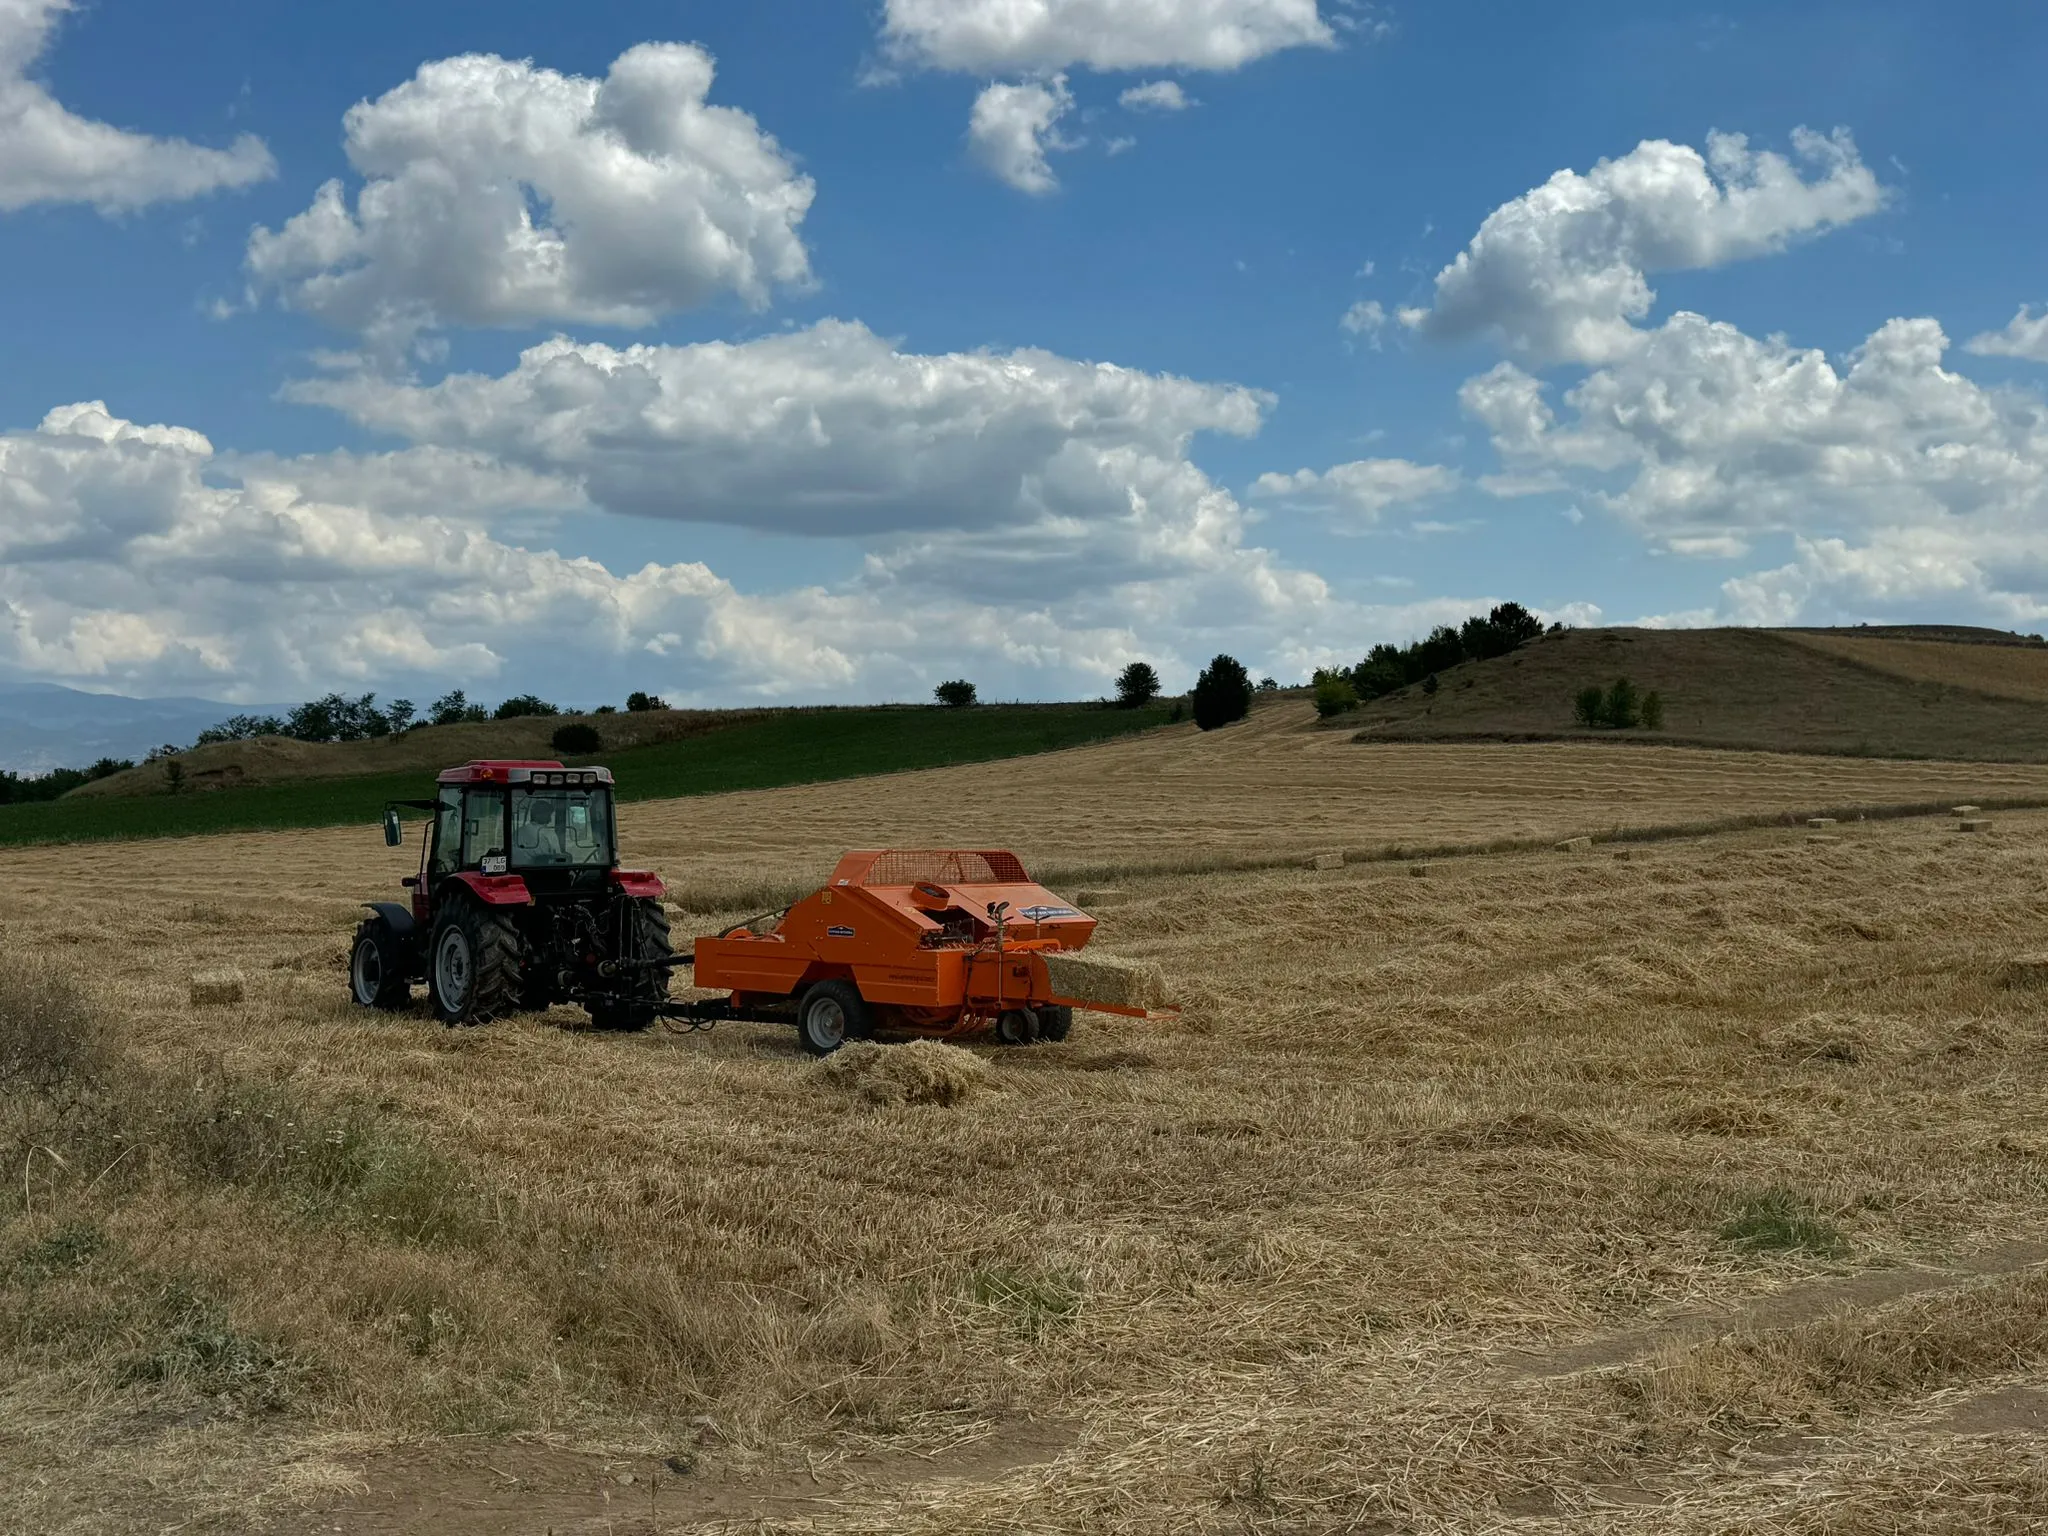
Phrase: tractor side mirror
pixel 394 834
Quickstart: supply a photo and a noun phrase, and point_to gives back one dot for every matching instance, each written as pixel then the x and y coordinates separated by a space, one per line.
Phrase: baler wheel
pixel 376 968
pixel 1055 1022
pixel 1017 1026
pixel 832 1013
pixel 473 965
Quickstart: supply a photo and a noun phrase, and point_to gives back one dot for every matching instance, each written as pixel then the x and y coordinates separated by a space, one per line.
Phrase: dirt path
pixel 1804 1302
pixel 521 1488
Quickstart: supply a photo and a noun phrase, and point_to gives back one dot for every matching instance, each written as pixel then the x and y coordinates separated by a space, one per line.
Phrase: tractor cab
pixel 548 826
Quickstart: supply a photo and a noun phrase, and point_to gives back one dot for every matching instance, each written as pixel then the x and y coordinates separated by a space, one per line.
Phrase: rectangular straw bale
pixel 2027 972
pixel 1575 845
pixel 1106 979
pixel 1965 810
pixel 1327 861
pixel 1973 824
pixel 217 989
pixel 1820 821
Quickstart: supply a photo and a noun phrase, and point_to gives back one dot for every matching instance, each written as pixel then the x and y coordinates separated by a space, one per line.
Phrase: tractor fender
pixel 639 882
pixel 495 890
pixel 399 917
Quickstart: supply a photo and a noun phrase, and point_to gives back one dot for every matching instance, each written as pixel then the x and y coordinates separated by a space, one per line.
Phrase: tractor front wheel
pixel 473 965
pixel 378 973
pixel 832 1013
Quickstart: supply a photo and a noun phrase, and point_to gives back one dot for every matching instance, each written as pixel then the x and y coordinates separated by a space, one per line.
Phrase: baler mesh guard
pixel 941 867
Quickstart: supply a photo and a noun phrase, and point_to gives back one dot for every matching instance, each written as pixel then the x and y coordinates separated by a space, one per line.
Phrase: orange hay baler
pixel 928 942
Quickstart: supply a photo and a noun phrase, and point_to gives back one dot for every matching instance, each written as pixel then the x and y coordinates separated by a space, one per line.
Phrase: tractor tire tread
pixel 394 991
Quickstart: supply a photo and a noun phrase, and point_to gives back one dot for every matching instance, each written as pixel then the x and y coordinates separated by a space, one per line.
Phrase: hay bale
pixel 1575 845
pixel 918 1072
pixel 1964 810
pixel 1973 824
pixel 2026 972
pixel 217 989
pixel 1419 871
pixel 1105 898
pixel 1098 978
pixel 1623 855
pixel 1327 861
pixel 1820 821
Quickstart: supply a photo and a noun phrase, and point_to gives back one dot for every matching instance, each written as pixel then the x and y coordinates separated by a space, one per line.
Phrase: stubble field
pixel 1699 1191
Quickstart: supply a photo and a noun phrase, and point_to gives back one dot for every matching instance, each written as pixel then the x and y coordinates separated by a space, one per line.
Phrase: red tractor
pixel 519 903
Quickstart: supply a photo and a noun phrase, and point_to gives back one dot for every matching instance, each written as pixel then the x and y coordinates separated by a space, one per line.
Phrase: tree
pixel 1430 685
pixel 642 703
pixel 1653 711
pixel 1136 686
pixel 1223 693
pixel 174 776
pixel 1269 685
pixel 400 715
pixel 524 706
pixel 1515 625
pixel 454 708
pixel 957 694
pixel 1334 694
pixel 1623 708
pixel 1589 706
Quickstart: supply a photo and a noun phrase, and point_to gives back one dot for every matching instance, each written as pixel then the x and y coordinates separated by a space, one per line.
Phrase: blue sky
pixel 869 447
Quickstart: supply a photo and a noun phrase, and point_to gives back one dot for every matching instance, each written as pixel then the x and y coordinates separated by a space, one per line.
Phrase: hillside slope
pixel 1845 691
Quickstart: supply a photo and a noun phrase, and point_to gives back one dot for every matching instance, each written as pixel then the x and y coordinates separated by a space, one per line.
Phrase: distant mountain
pixel 43 726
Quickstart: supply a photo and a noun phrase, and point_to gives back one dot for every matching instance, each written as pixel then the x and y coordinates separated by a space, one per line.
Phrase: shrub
pixel 1334 694
pixel 1223 693
pixel 174 776
pixel 524 706
pixel 1178 713
pixel 957 694
pixel 642 703
pixel 1138 685
pixel 1653 711
pixel 50 1041
pixel 1619 708
pixel 1430 685
pixel 577 740
pixel 1269 685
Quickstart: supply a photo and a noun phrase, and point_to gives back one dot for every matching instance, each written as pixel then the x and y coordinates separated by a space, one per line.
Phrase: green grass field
pixel 801 747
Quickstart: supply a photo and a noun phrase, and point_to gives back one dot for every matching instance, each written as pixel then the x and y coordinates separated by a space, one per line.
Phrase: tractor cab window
pixel 483 831
pixel 447 832
pixel 555 828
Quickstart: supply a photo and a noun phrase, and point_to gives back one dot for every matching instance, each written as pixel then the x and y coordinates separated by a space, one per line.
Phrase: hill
pixel 43 726
pixel 760 751
pixel 1969 695
pixel 424 749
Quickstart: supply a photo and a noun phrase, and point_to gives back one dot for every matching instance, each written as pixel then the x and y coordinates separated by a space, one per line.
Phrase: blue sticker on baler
pixel 1040 914
pixel 838 933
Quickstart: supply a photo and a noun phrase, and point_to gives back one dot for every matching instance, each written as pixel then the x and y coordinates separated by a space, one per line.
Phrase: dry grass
pixel 2004 671
pixel 1266 1268
pixel 915 1072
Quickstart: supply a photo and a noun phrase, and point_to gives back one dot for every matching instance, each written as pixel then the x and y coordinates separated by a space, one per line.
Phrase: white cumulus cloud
pixel 2024 336
pixel 1359 492
pixel 1562 272
pixel 1366 320
pixel 49 154
pixel 499 193
pixel 1032 36
pixel 1013 127
pixel 1156 96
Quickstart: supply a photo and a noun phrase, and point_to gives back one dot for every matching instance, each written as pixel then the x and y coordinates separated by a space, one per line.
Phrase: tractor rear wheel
pixel 377 967
pixel 1055 1022
pixel 647 939
pixel 473 965
pixel 832 1013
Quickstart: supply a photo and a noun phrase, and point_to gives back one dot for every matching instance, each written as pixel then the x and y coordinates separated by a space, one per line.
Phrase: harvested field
pixel 1696 1193
pixel 2003 671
